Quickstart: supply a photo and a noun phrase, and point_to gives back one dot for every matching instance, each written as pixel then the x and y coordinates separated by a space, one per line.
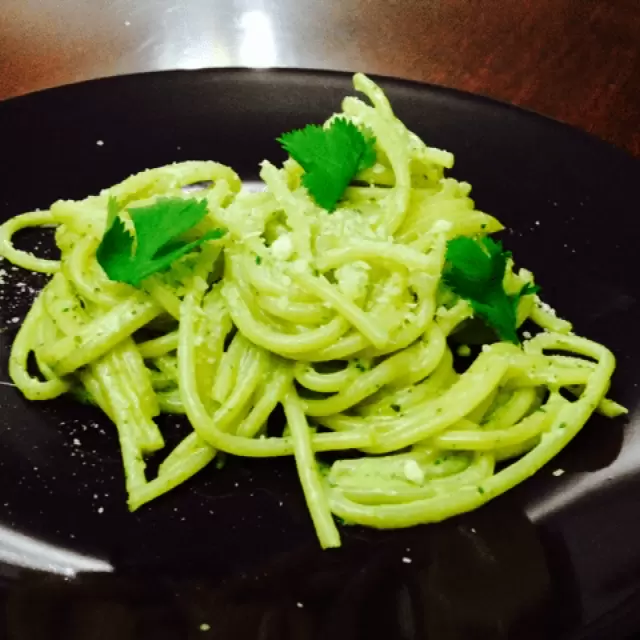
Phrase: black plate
pixel 234 548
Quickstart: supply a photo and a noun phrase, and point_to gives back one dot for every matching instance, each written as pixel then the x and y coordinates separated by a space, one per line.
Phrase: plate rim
pixel 448 91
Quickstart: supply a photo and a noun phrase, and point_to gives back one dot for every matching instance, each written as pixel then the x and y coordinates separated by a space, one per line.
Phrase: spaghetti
pixel 341 318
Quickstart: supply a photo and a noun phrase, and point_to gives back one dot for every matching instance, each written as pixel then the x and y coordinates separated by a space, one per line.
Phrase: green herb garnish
pixel 475 271
pixel 156 244
pixel 330 157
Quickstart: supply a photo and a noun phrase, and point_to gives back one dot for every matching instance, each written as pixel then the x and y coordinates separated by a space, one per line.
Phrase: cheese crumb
pixel 299 266
pixel 546 307
pixel 413 472
pixel 558 472
pixel 464 350
pixel 440 226
pixel 282 248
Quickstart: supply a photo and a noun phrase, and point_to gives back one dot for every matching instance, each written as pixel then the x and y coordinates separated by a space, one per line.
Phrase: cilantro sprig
pixel 156 244
pixel 330 157
pixel 475 271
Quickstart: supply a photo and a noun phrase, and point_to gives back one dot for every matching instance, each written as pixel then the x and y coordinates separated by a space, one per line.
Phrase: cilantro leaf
pixel 330 157
pixel 156 244
pixel 475 271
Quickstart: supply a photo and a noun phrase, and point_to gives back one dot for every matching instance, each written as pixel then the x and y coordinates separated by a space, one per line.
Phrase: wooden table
pixel 575 60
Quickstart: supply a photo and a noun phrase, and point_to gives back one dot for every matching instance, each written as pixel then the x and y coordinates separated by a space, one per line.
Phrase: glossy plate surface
pixel 232 554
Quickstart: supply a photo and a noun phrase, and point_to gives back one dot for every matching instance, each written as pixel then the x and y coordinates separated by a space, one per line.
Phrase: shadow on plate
pixel 482 575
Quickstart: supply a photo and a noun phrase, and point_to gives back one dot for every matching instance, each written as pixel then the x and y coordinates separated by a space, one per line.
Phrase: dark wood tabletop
pixel 575 60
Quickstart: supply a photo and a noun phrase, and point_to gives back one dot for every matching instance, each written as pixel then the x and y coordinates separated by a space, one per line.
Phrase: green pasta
pixel 343 317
